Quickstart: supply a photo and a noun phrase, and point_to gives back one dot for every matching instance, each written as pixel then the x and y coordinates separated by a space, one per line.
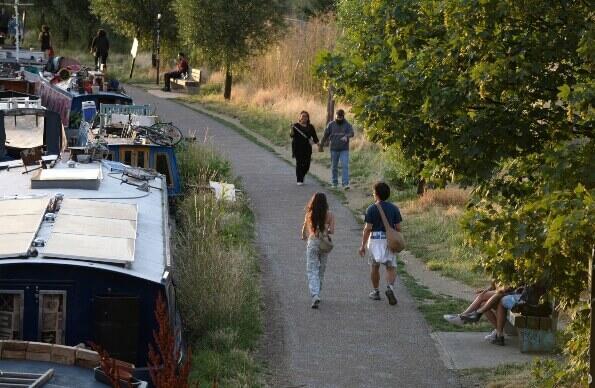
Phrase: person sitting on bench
pixel 181 70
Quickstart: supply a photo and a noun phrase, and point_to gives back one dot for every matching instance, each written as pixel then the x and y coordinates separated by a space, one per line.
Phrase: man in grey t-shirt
pixel 338 132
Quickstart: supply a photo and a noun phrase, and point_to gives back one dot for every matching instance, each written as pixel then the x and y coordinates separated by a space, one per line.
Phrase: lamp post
pixel 158 45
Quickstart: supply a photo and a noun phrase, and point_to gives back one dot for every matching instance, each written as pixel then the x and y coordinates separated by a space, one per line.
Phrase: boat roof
pixel 64 87
pixel 150 249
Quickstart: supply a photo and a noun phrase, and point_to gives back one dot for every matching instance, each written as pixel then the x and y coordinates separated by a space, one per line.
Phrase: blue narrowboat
pixel 84 253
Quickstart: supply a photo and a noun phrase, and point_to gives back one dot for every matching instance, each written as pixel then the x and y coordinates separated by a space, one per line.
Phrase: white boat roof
pixel 151 250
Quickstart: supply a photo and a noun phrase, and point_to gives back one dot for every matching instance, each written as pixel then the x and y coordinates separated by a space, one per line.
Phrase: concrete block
pixel 533 323
pixel 63 354
pixel 537 341
pixel 86 358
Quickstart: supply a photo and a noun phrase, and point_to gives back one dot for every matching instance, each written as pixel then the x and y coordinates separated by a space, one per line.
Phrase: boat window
pixel 110 156
pixel 128 158
pixel 163 167
pixel 52 316
pixel 11 315
pixel 140 159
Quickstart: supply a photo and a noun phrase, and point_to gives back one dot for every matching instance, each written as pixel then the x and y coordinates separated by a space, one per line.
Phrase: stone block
pixel 63 354
pixel 39 347
pixel 34 356
pixel 13 354
pixel 86 358
pixel 533 323
pixel 15 345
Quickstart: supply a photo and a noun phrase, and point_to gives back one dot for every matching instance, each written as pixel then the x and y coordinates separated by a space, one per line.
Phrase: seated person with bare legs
pixel 485 303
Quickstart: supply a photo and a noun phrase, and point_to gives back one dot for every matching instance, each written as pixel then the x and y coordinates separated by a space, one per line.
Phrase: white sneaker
pixel 492 336
pixel 300 183
pixel 455 319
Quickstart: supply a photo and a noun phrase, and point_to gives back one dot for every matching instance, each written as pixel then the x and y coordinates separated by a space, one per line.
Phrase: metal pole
pixel 17 32
pixel 158 46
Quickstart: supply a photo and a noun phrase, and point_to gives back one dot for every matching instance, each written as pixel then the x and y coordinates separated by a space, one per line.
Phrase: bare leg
pixel 375 275
pixel 490 303
pixel 500 319
pixel 480 299
pixel 391 275
pixel 490 316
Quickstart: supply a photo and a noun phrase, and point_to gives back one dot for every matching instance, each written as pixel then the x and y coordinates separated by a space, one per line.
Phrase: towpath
pixel 350 341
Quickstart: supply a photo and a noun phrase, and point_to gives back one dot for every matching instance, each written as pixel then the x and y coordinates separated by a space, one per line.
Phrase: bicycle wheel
pixel 165 134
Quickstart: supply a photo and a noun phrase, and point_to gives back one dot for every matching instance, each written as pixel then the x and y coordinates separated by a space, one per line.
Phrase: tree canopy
pixel 137 18
pixel 496 94
pixel 228 31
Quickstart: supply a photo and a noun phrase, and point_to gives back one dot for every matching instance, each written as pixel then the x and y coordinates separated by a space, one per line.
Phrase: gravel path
pixel 350 341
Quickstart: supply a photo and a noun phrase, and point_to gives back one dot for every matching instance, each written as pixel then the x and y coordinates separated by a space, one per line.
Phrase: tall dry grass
pixel 288 64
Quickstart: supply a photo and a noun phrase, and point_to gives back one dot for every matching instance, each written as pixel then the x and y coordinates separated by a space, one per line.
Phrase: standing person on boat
pixel 45 38
pixel 319 223
pixel 100 49
pixel 181 70
pixel 374 239
pixel 338 133
pixel 303 137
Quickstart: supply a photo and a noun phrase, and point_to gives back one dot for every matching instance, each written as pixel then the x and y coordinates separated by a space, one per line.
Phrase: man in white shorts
pixel 374 239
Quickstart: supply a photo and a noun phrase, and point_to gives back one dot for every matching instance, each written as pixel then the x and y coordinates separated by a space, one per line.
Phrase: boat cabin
pixel 84 252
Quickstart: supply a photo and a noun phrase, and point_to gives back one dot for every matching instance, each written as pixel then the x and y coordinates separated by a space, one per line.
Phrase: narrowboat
pixel 84 252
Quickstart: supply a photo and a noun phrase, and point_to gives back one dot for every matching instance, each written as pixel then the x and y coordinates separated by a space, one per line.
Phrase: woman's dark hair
pixel 101 32
pixel 306 113
pixel 181 54
pixel 316 211
pixel 382 191
pixel 45 28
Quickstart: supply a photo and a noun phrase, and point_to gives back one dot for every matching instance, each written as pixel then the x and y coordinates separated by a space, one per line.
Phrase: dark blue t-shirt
pixel 393 216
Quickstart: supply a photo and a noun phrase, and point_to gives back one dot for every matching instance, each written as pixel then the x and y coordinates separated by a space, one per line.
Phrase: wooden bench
pixel 536 334
pixel 191 84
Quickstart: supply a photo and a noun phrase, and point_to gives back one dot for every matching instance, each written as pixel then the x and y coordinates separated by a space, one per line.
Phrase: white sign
pixel 134 48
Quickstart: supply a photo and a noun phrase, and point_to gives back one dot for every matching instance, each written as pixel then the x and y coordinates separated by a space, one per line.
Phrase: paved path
pixel 350 341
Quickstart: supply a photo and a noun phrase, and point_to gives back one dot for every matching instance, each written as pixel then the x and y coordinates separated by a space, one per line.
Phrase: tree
pixel 228 31
pixel 137 18
pixel 497 94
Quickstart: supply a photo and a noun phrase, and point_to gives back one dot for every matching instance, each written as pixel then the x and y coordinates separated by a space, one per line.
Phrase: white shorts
pixel 379 252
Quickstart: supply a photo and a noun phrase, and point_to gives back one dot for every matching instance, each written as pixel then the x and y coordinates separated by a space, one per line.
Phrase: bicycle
pixel 165 134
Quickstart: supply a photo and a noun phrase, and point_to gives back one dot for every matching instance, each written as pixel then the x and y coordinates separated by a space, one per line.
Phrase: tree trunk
pixel 228 79
pixel 421 186
pixel 330 104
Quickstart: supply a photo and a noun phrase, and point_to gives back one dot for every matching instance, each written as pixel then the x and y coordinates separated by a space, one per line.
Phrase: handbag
pixel 326 243
pixel 394 239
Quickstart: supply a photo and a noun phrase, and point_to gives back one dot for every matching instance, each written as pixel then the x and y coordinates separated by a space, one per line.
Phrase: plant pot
pixel 102 378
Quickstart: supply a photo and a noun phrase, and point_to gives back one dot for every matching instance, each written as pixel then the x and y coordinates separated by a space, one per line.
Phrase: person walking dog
pixel 374 238
pixel 303 137
pixel 319 224
pixel 338 132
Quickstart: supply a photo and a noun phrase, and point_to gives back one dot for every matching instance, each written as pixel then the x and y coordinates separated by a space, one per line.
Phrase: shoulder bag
pixel 394 239
pixel 303 134
pixel 326 243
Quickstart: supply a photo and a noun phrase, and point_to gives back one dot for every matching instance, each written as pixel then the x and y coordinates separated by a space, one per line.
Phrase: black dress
pixel 301 148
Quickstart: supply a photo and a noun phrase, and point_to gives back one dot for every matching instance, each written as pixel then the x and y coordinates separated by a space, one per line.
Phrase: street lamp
pixel 158 45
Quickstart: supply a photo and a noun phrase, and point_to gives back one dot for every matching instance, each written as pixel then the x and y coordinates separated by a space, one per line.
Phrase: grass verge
pixel 216 274
pixel 504 376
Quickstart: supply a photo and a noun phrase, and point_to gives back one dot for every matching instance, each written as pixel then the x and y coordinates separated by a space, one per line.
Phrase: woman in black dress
pixel 303 136
pixel 45 38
